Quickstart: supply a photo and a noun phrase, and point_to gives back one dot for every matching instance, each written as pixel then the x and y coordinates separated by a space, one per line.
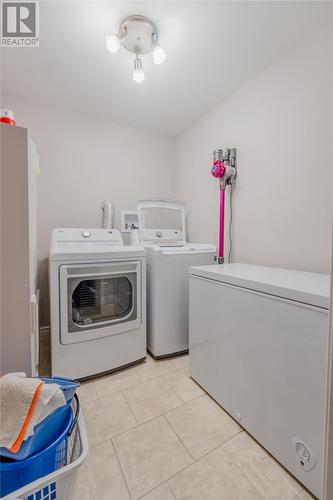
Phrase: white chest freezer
pixel 258 346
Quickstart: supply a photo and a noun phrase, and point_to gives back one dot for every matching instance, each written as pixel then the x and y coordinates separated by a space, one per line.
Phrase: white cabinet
pixel 19 296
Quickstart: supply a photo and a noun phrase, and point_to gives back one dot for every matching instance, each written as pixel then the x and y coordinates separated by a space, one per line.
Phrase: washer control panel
pixel 160 235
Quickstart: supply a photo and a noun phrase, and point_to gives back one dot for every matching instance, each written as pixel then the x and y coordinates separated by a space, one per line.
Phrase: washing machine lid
pixel 308 288
pixel 162 221
pixel 87 243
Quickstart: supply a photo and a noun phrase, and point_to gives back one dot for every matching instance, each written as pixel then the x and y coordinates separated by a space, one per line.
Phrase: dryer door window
pixel 102 299
pixel 99 300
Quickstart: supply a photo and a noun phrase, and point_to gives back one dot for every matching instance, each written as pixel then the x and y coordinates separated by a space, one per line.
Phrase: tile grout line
pixel 161 377
pixel 220 409
pixel 120 467
pixel 99 397
pixel 263 494
pixel 223 411
pixel 163 415
pixel 119 390
pixel 175 370
pixel 178 472
pixel 184 402
pixel 182 442
pixel 155 488
pixel 131 410
pixel 141 381
pixel 139 424
pixel 131 428
pixel 245 475
pixel 113 437
pixel 164 480
pixel 173 391
pixel 97 380
pixel 116 435
pixel 171 488
pixel 277 463
pixel 207 453
pixel 195 460
pixel 187 466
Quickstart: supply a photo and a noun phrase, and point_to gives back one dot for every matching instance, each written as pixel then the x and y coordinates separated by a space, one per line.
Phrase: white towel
pixel 23 405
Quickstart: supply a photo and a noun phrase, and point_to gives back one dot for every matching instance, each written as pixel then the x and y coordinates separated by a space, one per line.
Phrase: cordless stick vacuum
pixel 224 169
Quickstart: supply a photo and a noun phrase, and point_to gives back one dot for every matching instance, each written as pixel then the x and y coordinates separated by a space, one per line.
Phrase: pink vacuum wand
pixel 224 169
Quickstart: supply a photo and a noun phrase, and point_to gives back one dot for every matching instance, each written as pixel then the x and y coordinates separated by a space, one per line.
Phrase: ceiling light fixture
pixel 138 35
pixel 113 43
pixel 158 55
pixel 138 74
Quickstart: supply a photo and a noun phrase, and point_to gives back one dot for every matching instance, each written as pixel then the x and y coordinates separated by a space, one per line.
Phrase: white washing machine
pixel 98 302
pixel 162 232
pixel 258 345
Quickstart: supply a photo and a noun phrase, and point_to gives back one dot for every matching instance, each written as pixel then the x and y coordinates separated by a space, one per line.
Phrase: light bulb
pixel 158 55
pixel 138 74
pixel 113 43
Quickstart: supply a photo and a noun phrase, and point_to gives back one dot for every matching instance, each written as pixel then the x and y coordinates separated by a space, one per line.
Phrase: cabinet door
pixel 16 284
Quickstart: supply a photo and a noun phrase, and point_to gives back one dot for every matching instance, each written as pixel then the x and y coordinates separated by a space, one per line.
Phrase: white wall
pixel 85 160
pixel 281 123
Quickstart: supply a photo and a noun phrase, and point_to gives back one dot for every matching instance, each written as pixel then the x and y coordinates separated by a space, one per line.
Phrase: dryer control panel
pixel 83 235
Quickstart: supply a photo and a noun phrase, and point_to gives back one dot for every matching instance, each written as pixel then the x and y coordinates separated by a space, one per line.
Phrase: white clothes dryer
pixel 98 302
pixel 162 232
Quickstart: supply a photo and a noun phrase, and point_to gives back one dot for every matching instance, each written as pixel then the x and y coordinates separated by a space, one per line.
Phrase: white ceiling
pixel 212 49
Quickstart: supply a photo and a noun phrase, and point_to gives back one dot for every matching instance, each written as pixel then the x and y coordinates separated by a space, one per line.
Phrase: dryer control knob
pixel 86 234
pixel 159 234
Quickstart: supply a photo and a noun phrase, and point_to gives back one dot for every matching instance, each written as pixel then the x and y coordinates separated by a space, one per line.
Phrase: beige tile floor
pixel 155 435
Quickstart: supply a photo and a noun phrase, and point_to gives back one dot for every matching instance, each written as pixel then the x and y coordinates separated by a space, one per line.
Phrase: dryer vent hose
pixel 107 215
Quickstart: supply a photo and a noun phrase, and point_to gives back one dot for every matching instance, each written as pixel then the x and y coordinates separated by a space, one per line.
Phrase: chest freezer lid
pixel 308 288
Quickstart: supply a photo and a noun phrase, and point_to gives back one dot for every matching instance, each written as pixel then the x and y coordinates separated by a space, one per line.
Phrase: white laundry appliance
pixel 258 345
pixel 162 231
pixel 19 325
pixel 98 302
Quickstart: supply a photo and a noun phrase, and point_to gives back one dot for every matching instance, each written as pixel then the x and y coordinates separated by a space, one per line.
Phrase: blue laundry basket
pixel 44 434
pixel 18 473
pixel 49 429
pixel 67 385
